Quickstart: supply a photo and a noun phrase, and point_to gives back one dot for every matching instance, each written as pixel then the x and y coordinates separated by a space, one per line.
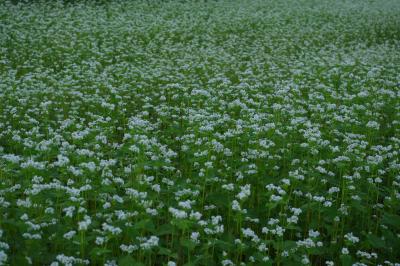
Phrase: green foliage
pixel 200 132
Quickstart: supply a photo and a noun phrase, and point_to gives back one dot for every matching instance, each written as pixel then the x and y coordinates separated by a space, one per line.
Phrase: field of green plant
pixel 226 133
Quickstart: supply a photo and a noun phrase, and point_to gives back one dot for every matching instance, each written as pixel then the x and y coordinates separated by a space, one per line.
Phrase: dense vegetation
pixel 200 133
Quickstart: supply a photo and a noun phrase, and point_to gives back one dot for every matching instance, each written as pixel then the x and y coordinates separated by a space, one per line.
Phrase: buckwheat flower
pixel 305 260
pixel 329 263
pixel 156 188
pixel 195 237
pixel 195 215
pixel 3 257
pixel 128 169
pixel 253 220
pixel 319 198
pixel 247 232
pixel 61 161
pixel 28 260
pixel 307 243
pixel 186 204
pixel 275 198
pixel 178 214
pixel 31 163
pixel 345 251
pixel 66 260
pixel 110 263
pixel 121 215
pixel 152 212
pixel 236 205
pixel 91 166
pixel 118 199
pixel 262 247
pixel 209 207
pixel 356 197
pixel 129 249
pixel 24 203
pixel 37 179
pixel 353 239
pixel 244 192
pixel 113 230
pixel 373 124
pixel 99 240
pixel 4 246
pixel 171 263
pixel 151 242
pixel 366 254
pixel 32 236
pixel 69 235
pixel 333 190
pixel 75 171
pixel 296 211
pixel 238 241
pixel 229 187
pixel 293 219
pixel 312 233
pixel 227 262
pixel 83 225
pixel 69 211
pixel 12 158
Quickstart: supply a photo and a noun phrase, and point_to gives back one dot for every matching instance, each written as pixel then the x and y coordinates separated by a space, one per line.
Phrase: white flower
pixel 128 248
pixel 83 225
pixel 149 243
pixel 227 262
pixel 3 257
pixel 70 234
pixel 373 124
pixel 312 233
pixel 110 263
pixel 99 240
pixel 244 192
pixel 113 230
pixel 305 260
pixel 178 214
pixel 195 237
pixel 351 238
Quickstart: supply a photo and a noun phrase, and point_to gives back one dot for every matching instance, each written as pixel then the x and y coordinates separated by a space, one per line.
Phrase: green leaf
pixel 188 244
pixel 129 261
pixel 391 219
pixel 167 252
pixel 375 241
pixel 165 229
pixel 96 252
pixel 144 224
pixel 346 260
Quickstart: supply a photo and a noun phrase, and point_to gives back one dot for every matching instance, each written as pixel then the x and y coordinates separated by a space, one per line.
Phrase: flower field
pixel 226 133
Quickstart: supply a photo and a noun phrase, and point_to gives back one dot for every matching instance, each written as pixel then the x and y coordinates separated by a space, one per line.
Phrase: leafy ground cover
pixel 200 133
